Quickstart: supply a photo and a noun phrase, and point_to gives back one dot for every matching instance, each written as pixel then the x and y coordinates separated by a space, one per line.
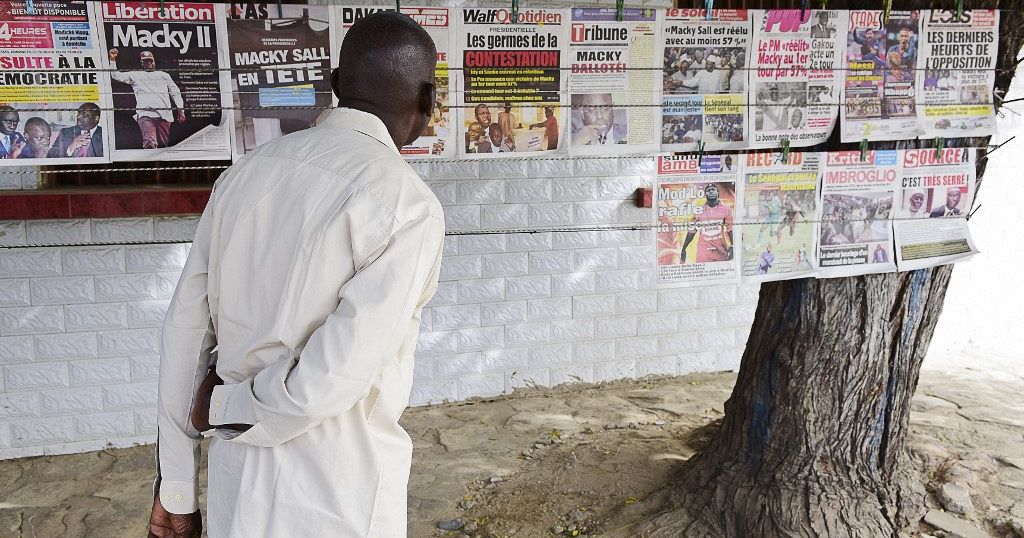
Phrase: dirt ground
pixel 585 460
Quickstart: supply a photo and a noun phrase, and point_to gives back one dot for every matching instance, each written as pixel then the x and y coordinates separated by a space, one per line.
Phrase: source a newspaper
pixel 169 85
pixel 795 76
pixel 957 72
pixel 613 82
pixel 694 207
pixel 857 207
pixel 779 200
pixel 512 90
pixel 280 57
pixel 438 137
pixel 935 197
pixel 881 64
pixel 704 79
pixel 51 108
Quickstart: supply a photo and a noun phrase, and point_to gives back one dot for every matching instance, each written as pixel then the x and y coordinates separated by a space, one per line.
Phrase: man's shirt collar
pixel 359 121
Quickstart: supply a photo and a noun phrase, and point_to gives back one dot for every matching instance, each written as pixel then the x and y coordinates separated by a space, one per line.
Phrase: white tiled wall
pixel 79 326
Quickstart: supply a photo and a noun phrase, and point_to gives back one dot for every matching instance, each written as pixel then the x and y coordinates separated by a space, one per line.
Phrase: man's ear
pixel 335 83
pixel 428 97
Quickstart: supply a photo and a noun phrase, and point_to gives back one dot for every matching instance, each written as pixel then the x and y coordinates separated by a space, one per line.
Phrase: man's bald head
pixel 386 67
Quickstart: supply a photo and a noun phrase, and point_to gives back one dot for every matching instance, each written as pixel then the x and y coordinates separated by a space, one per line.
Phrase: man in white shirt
pixel 709 80
pixel 308 272
pixel 916 209
pixel 155 93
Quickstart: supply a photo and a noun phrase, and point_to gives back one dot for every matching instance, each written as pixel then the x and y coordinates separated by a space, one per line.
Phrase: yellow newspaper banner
pixel 50 94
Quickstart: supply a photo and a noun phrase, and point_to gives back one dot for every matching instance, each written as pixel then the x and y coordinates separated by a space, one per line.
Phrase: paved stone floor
pixel 588 458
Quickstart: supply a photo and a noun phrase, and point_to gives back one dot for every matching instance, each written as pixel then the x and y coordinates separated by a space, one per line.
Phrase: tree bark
pixel 813 439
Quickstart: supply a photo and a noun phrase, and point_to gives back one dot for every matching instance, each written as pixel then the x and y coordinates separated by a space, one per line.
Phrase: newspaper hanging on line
pixel 704 79
pixel 438 137
pixel 51 108
pixel 613 82
pixel 856 210
pixel 935 197
pixel 779 201
pixel 695 200
pixel 956 73
pixel 280 57
pixel 880 87
pixel 512 91
pixel 795 76
pixel 168 81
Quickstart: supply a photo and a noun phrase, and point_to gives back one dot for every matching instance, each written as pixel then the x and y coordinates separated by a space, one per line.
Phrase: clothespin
pixel 864 150
pixel 824 4
pixel 886 8
pixel 163 12
pixel 398 6
pixel 30 7
pixel 700 154
pixel 940 144
pixel 805 6
pixel 785 150
pixel 959 10
pixel 515 11
pixel 708 5
pixel 620 5
pixel 280 10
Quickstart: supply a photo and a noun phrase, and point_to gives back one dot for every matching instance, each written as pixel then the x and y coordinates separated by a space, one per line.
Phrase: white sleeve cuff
pixel 179 496
pixel 232 404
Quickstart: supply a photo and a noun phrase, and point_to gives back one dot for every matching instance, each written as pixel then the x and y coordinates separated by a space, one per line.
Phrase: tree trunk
pixel 813 439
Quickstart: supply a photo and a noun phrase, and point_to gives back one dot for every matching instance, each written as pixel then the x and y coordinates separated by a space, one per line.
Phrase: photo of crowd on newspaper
pixel 704 70
pixel 682 129
pixel 781 106
pixel 862 218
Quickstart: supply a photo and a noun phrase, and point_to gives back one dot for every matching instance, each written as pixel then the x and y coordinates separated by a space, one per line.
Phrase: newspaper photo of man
pixel 84 139
pixel 37 139
pixel 11 141
pixel 595 121
pixel 158 100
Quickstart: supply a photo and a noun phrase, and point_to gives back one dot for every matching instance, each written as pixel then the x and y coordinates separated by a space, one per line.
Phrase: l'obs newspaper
pixel 794 82
pixel 51 109
pixel 779 200
pixel 695 200
pixel 956 73
pixel 704 79
pixel 438 137
pixel 612 82
pixel 166 80
pixel 881 60
pixel 512 86
pixel 280 64
pixel 936 194
pixel 857 205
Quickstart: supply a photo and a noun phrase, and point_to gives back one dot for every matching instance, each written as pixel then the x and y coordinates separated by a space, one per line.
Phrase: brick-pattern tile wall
pixel 79 326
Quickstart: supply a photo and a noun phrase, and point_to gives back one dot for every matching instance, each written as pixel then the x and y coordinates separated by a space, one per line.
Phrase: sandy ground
pixel 586 459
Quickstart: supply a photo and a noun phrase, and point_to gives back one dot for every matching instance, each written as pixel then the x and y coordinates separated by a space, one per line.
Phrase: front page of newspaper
pixel 779 202
pixel 704 79
pixel 612 82
pixel 936 194
pixel 281 64
pixel 695 200
pixel 881 90
pixel 794 82
pixel 168 81
pixel 512 95
pixel 52 110
pixel 857 206
pixel 438 137
pixel 956 72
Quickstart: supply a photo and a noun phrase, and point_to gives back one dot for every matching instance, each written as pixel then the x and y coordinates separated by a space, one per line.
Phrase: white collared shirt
pixel 308 271
pixel 155 92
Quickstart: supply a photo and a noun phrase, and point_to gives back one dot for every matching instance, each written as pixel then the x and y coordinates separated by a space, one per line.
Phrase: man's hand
pixel 181 116
pixel 200 414
pixel 112 55
pixel 163 524
pixel 586 135
pixel 78 142
pixel 16 150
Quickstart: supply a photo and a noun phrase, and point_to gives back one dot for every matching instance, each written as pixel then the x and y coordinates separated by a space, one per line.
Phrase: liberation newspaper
pixel 956 73
pixel 704 79
pixel 779 208
pixel 857 205
pixel 51 107
pixel 280 69
pixel 438 137
pixel 881 60
pixel 695 200
pixel 169 84
pixel 512 91
pixel 937 190
pixel 612 82
pixel 794 80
